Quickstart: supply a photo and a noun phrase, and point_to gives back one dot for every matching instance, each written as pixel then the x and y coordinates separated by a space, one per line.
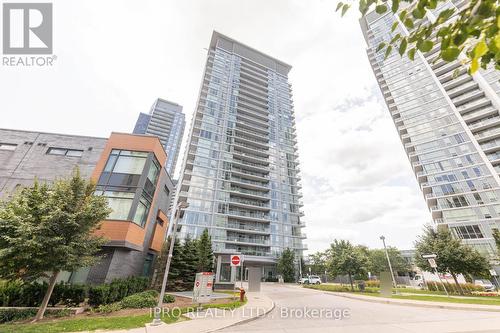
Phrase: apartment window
pixel 8 146
pixel 119 202
pixel 65 152
pixel 468 232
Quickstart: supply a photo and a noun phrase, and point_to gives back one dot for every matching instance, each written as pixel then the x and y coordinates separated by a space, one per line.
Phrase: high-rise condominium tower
pixel 449 124
pixel 240 174
pixel 167 122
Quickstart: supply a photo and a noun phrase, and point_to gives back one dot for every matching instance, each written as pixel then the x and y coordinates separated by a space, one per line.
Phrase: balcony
pixel 487 135
pixel 256 159
pixel 481 113
pixel 466 108
pixel 467 97
pixel 249 193
pixel 462 89
pixel 444 67
pixel 251 126
pixel 242 240
pixel 248 204
pixel 251 216
pixel 261 139
pixel 485 123
pixel 250 113
pixel 253 183
pixel 258 227
pixel 258 176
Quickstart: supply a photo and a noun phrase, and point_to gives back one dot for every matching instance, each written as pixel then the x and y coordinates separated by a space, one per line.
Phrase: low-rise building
pixel 128 169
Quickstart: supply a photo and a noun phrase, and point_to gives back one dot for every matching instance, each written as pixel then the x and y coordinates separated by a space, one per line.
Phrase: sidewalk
pixel 213 319
pixel 424 304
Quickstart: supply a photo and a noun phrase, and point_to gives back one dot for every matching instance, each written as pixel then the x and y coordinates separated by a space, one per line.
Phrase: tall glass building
pixel 167 122
pixel 240 173
pixel 449 125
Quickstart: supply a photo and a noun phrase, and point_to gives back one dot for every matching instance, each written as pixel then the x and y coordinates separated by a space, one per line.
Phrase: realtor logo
pixel 27 28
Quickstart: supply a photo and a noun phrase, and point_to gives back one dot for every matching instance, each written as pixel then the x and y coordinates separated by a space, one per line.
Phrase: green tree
pixel 46 229
pixel 189 259
pixel 496 236
pixel 205 253
pixel 472 31
pixel 378 261
pixel 317 263
pixel 286 265
pixel 345 258
pixel 176 266
pixel 452 255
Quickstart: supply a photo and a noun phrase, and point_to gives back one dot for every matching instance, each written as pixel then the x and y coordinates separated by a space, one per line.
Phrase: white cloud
pixel 116 57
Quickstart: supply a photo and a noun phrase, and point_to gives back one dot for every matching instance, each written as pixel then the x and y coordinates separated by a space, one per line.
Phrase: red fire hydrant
pixel 242 295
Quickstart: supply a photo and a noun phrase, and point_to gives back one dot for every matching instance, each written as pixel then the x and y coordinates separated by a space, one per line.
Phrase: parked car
pixel 311 279
pixel 486 284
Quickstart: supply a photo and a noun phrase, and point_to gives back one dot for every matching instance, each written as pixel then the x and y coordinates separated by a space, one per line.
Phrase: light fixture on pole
pixel 389 262
pixel 179 211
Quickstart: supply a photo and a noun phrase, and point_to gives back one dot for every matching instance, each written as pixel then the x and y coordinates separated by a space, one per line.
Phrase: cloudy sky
pixel 115 57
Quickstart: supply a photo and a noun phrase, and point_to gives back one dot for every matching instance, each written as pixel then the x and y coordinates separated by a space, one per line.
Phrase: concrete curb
pixel 438 305
pixel 244 321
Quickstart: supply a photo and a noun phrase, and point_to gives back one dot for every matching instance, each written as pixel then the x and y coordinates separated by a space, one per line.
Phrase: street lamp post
pixel 178 212
pixel 389 262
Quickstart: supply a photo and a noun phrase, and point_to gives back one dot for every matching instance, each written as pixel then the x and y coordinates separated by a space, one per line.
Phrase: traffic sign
pixel 493 272
pixel 432 262
pixel 236 260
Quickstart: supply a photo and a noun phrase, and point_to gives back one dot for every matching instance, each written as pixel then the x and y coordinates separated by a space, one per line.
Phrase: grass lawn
pixel 484 300
pixel 101 323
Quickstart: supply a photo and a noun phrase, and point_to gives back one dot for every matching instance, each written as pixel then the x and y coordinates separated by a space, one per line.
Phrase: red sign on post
pixel 235 260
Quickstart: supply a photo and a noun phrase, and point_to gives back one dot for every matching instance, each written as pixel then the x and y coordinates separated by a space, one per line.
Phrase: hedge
pixel 18 293
pixel 16 314
pixel 23 294
pixel 116 290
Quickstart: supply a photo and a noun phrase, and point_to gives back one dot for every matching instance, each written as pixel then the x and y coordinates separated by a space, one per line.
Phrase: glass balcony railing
pixel 240 226
pixel 249 202
pixel 250 182
pixel 252 173
pixel 244 213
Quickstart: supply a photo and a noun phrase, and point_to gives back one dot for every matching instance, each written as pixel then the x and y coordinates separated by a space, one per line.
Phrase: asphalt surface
pixel 304 310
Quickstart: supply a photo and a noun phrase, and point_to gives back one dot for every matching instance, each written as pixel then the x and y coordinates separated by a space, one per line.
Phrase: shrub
pixel 329 287
pixel 452 288
pixel 13 314
pixel 16 314
pixel 139 301
pixel 98 295
pixel 73 294
pixel 108 308
pixel 168 299
pixel 17 293
pixel 372 283
pixel 116 291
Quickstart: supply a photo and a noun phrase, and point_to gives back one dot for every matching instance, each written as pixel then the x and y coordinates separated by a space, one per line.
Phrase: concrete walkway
pixel 211 320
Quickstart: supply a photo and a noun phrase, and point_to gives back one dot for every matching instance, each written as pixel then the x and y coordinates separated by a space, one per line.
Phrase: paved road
pixel 292 301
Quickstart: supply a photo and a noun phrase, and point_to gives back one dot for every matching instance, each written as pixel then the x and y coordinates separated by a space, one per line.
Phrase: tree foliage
pixel 45 229
pixel 345 258
pixel 317 262
pixel 205 259
pixel 188 258
pixel 378 261
pixel 473 31
pixel 453 256
pixel 286 265
pixel 496 237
